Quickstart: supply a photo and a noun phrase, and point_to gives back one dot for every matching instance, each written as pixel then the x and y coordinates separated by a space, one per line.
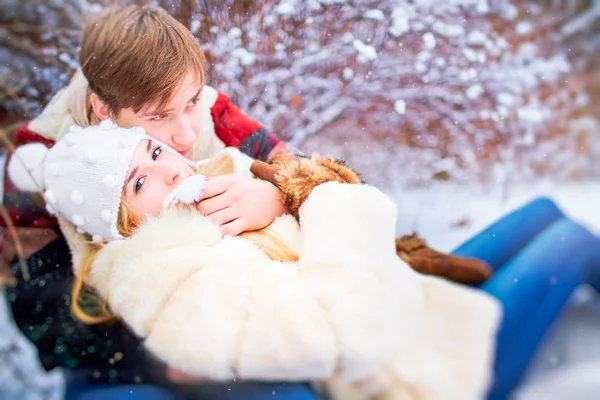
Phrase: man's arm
pixel 237 203
pixel 235 128
pixel 25 209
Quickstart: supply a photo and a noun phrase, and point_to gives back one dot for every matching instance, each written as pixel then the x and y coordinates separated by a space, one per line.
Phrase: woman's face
pixel 153 175
pixel 177 124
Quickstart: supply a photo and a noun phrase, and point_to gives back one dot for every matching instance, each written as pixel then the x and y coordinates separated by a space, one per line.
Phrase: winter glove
pixel 425 260
pixel 296 177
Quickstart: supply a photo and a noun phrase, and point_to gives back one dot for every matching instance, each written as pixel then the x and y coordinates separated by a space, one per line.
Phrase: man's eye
pixel 156 153
pixel 158 117
pixel 192 103
pixel 139 183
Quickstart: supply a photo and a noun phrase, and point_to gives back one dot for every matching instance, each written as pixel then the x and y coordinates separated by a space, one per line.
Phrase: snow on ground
pixel 436 209
pixel 568 364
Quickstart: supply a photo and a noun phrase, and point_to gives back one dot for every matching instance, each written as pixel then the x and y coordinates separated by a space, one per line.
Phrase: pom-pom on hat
pixel 25 168
pixel 82 175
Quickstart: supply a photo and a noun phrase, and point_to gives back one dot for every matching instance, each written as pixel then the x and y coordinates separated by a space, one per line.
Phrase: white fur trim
pixel 209 96
pixel 26 167
pixel 188 192
pixel 241 161
pixel 207 144
pixel 79 246
pixel 55 119
pixel 67 107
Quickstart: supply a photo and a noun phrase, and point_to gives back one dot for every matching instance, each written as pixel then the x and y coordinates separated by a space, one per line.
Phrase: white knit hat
pixel 82 175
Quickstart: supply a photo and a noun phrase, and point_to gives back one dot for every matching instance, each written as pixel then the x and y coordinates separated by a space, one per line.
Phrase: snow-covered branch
pixel 584 20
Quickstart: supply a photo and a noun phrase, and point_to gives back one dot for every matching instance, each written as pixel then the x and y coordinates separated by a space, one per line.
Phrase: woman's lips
pixel 186 152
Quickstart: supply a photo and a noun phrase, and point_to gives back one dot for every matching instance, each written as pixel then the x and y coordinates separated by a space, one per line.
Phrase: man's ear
pixel 100 108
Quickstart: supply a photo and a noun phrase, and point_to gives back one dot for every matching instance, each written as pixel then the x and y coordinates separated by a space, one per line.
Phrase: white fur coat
pixel 349 313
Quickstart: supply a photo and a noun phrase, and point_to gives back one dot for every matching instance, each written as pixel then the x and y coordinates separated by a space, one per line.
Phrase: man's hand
pixel 239 203
pixel 176 376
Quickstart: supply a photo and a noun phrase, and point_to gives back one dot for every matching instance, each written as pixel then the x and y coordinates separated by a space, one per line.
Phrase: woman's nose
pixel 170 174
pixel 173 177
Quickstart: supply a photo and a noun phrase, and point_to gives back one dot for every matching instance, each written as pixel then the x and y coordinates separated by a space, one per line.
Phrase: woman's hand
pixel 238 203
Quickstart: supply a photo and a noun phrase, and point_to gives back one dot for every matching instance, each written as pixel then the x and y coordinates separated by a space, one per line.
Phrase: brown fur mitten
pixel 296 177
pixel 415 252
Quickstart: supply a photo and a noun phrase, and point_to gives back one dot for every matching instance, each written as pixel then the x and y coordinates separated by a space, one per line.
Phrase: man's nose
pixel 183 134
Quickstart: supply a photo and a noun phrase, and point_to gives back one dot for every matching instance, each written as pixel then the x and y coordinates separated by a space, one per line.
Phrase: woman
pixel 420 383
pixel 123 57
pixel 345 311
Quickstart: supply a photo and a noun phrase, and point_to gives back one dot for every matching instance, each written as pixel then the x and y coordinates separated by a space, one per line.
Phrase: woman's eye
pixel 192 103
pixel 156 153
pixel 139 183
pixel 158 118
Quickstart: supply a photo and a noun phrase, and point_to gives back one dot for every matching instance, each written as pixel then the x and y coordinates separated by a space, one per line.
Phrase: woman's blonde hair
pixel 90 308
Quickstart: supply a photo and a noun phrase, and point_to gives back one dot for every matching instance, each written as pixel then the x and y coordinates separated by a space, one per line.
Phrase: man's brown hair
pixel 135 56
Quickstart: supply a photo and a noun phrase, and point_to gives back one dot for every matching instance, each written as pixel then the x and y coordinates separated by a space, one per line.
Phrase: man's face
pixel 177 124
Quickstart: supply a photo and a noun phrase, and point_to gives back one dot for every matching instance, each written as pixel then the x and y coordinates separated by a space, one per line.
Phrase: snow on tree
pixel 493 90
pixel 467 89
